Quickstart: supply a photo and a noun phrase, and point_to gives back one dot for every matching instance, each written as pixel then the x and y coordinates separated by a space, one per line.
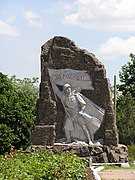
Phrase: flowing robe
pixel 81 126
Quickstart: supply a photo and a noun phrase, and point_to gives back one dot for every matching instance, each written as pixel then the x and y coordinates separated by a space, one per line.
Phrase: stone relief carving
pixel 88 74
pixel 82 116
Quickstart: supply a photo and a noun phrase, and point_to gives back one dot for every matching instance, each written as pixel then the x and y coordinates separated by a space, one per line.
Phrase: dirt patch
pixel 115 174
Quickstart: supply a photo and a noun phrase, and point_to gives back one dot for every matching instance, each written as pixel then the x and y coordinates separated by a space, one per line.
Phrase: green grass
pixel 109 167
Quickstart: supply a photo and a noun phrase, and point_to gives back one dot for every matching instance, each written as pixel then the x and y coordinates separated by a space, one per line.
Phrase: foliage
pixel 126 119
pixel 6 137
pixel 42 165
pixel 17 112
pixel 131 152
pixel 28 87
pixel 127 77
pixel 126 103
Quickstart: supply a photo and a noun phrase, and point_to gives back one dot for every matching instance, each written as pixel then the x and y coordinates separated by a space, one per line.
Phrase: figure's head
pixel 67 88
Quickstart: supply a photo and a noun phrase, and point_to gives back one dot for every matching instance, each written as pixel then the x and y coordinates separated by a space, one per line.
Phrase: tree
pixel 17 112
pixel 127 77
pixel 126 119
pixel 126 103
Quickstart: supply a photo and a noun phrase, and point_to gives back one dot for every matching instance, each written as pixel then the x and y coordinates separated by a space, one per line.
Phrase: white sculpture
pixel 82 117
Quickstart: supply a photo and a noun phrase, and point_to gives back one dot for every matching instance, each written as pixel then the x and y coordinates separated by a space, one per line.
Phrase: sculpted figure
pixel 79 125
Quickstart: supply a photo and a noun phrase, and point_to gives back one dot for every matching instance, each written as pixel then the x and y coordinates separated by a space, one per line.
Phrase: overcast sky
pixel 104 27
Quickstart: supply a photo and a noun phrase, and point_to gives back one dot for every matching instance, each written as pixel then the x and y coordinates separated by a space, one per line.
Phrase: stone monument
pixel 74 105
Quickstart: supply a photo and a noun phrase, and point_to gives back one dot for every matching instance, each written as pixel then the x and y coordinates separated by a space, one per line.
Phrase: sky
pixel 105 28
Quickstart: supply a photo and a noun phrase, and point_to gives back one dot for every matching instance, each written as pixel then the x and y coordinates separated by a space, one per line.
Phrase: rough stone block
pixel 43 135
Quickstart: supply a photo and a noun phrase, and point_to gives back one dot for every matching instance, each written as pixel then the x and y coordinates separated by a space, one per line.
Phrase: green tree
pixel 17 112
pixel 126 119
pixel 28 90
pixel 127 77
pixel 6 138
pixel 126 103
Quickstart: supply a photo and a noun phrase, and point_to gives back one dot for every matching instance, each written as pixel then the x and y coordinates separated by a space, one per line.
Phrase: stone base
pixel 43 135
pixel 98 154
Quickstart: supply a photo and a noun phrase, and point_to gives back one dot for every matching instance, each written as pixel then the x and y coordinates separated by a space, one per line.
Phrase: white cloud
pixel 115 48
pixel 60 6
pixel 11 19
pixel 7 29
pixel 114 15
pixel 33 19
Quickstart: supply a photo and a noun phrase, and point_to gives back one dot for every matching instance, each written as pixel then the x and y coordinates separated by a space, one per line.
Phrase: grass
pixel 109 167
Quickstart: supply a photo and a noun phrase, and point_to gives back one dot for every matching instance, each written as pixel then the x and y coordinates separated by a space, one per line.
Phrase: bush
pixel 126 103
pixel 131 152
pixel 43 165
pixel 17 109
pixel 6 138
pixel 126 119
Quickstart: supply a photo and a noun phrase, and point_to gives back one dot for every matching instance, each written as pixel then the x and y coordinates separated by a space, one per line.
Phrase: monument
pixel 74 108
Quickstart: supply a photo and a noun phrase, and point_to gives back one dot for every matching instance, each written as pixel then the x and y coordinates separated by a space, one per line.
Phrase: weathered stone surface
pixel 98 154
pixel 61 52
pixel 46 107
pixel 100 158
pixel 38 135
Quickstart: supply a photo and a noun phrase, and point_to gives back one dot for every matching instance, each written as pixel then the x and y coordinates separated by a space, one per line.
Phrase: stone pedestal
pixel 98 154
pixel 43 135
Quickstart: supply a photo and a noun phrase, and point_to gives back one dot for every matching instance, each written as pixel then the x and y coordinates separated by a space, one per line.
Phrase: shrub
pixel 43 165
pixel 17 109
pixel 126 119
pixel 6 138
pixel 131 152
